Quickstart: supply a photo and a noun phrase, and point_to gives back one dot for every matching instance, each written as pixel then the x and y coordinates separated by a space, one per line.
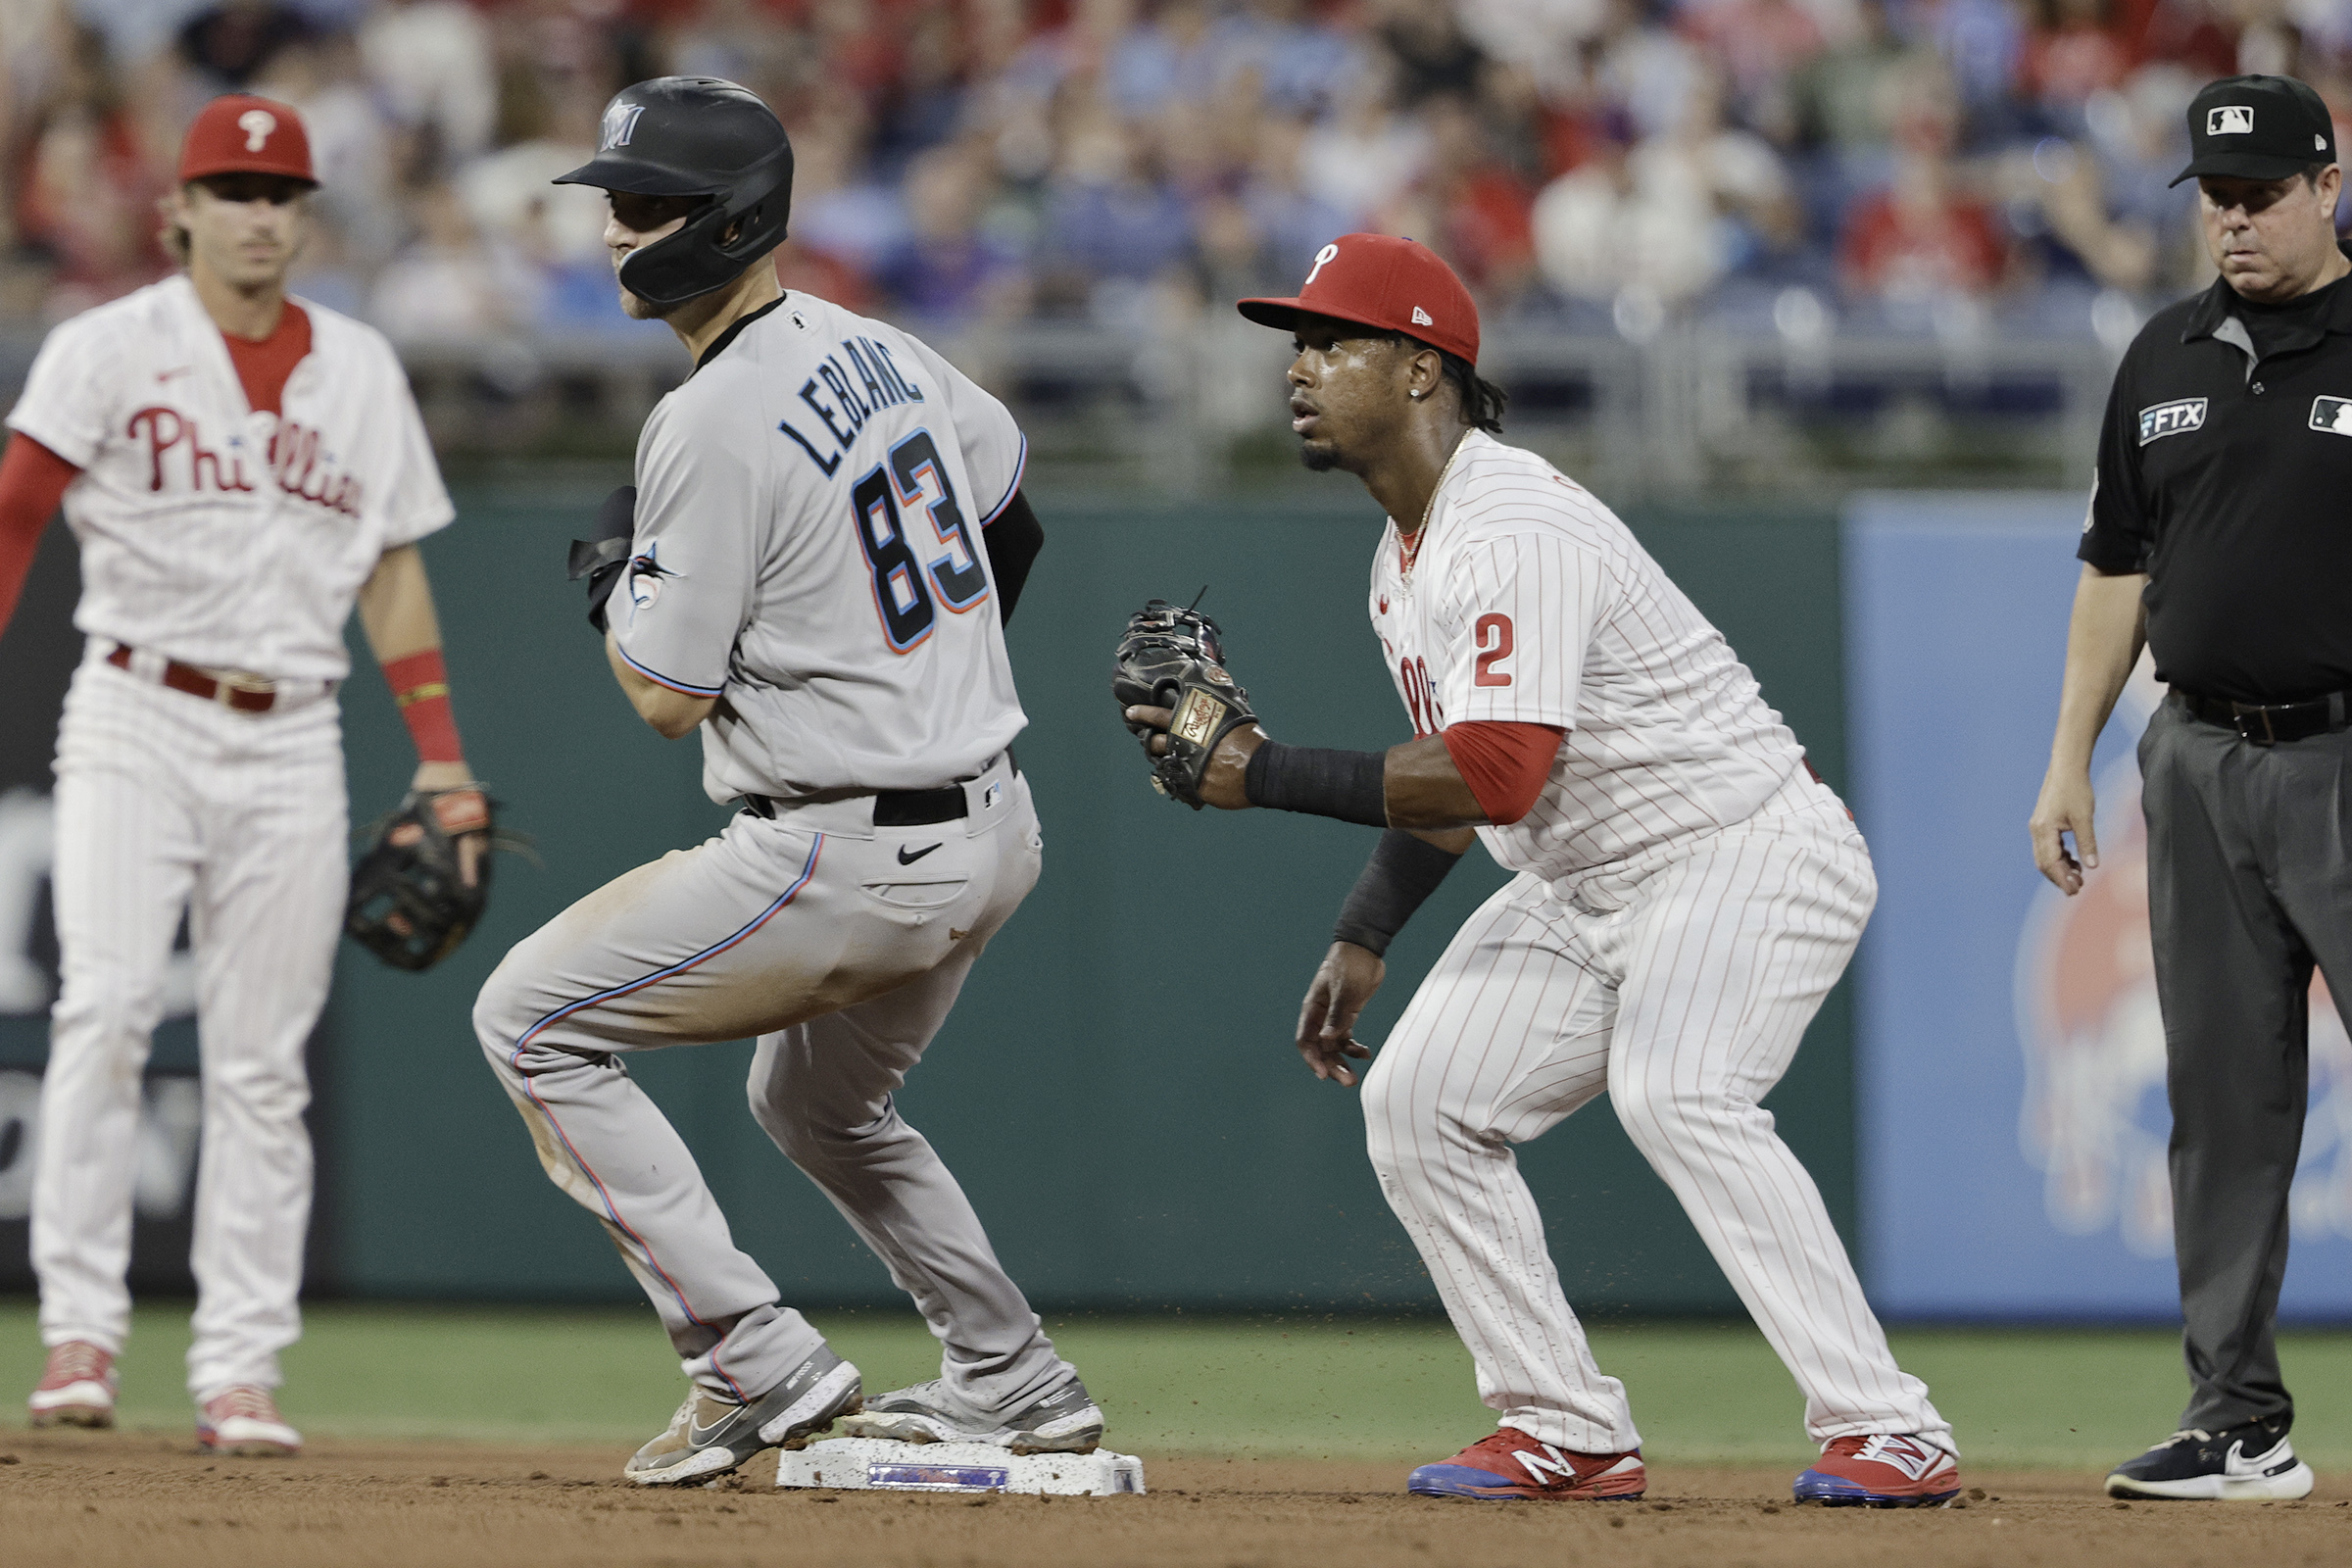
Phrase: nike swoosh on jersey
pixel 909 859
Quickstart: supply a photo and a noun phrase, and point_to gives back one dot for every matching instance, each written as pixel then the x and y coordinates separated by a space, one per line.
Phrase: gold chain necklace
pixel 1408 548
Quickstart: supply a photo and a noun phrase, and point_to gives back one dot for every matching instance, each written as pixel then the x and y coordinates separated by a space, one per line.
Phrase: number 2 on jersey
pixel 1494 633
pixel 904 584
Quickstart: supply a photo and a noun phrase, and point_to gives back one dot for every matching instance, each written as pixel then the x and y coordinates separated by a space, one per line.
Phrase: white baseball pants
pixel 165 802
pixel 840 946
pixel 1686 1002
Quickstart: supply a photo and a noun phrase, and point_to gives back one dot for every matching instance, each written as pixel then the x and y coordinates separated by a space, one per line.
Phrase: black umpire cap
pixel 2257 127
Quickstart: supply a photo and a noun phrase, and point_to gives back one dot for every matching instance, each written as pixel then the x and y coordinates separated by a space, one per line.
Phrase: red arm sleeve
pixel 32 481
pixel 1503 764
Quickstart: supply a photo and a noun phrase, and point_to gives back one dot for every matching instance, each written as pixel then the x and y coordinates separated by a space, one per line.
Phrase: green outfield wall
pixel 1116 1088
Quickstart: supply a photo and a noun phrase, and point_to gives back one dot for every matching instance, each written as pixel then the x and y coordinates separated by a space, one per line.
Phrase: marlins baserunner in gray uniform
pixel 807 582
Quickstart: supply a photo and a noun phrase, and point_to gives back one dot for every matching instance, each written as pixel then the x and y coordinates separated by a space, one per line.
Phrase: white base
pixel 878 1464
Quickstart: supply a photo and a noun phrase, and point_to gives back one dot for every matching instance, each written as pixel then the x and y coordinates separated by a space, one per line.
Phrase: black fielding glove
pixel 604 555
pixel 409 905
pixel 1174 659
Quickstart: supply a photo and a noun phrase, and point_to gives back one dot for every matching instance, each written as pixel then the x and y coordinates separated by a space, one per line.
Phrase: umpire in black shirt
pixel 2221 535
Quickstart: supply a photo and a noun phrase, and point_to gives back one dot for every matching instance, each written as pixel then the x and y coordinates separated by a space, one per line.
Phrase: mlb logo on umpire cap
pixel 2257 127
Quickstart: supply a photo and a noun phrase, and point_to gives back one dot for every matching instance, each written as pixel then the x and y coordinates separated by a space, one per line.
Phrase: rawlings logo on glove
pixel 1175 658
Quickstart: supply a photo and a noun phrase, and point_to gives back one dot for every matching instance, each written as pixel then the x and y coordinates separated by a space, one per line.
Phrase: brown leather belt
pixel 246 694
pixel 2268 723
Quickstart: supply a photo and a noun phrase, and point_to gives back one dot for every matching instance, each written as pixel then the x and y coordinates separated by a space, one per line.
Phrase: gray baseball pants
pixel 2249 887
pixel 817 933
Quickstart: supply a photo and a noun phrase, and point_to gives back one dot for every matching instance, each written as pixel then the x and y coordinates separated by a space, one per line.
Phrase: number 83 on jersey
pixel 909 583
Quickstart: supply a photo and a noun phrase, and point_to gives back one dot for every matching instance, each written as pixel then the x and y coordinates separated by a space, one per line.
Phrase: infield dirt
pixel 131 1500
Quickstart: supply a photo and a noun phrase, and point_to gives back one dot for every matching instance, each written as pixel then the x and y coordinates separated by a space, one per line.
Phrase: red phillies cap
pixel 241 134
pixel 1381 281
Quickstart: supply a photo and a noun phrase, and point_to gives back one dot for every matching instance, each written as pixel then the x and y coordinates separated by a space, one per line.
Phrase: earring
pixel 1416 396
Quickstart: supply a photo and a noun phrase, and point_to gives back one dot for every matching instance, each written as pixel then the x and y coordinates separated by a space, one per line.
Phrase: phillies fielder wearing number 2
pixel 1685 893
pixel 239 467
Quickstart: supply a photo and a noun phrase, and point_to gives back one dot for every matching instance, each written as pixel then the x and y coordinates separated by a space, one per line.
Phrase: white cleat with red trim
pixel 76 1388
pixel 242 1422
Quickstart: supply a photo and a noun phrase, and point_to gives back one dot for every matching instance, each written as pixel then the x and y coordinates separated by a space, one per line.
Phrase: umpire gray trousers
pixel 2249 888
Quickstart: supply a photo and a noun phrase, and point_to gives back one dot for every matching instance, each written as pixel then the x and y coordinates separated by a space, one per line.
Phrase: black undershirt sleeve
pixel 1352 786
pixel 1403 871
pixel 1012 540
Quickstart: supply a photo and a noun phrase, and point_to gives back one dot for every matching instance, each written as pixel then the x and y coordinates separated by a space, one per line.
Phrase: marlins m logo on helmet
pixel 2229 120
pixel 620 124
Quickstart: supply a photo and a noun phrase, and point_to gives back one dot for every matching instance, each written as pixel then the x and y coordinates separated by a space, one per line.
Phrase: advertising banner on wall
pixel 2009 1049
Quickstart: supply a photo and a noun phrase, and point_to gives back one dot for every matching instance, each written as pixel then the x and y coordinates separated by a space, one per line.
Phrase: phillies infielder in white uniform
pixel 238 466
pixel 1686 894
pixel 806 582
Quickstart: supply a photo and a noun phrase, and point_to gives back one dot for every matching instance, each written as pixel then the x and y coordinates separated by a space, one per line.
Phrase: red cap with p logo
pixel 241 134
pixel 1382 281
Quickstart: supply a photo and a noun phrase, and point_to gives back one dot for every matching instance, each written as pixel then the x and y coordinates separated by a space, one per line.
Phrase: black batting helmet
pixel 694 137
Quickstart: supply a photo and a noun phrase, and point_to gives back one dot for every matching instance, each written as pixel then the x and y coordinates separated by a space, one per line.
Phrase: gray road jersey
pixel 809 552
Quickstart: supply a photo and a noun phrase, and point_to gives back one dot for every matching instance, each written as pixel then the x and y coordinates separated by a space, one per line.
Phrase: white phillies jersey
pixel 808 551
pixel 1530 603
pixel 211 532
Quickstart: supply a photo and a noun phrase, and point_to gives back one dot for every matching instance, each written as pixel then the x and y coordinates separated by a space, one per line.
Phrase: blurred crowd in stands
pixel 967 161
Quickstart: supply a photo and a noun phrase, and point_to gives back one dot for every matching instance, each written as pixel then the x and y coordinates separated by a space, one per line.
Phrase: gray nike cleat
pixel 1065 1421
pixel 710 1436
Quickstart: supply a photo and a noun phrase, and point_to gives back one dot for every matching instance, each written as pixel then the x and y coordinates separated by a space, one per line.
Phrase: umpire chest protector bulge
pixel 694 137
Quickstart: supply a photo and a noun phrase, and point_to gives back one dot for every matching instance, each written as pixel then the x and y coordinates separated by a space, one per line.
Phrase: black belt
pixel 2267 723
pixel 892 808
pixel 899 808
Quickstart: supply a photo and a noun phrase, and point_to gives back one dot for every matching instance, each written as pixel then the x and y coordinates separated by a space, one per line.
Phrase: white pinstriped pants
pixel 166 802
pixel 1687 1004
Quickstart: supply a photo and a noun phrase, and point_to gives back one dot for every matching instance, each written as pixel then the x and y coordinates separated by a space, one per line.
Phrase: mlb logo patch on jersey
pixel 2331 414
pixel 2229 120
pixel 2171 418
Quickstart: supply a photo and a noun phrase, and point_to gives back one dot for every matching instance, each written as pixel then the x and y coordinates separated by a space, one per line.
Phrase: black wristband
pixel 1347 785
pixel 1403 871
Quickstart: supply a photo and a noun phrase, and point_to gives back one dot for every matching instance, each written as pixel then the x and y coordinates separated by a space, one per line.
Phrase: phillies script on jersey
pixel 293 460
pixel 212 531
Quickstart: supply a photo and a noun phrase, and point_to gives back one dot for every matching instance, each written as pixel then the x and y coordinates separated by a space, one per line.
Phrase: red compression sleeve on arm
pixel 420 686
pixel 32 481
pixel 1503 764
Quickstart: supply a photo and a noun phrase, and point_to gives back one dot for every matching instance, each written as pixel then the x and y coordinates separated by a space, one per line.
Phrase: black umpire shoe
pixel 2252 1463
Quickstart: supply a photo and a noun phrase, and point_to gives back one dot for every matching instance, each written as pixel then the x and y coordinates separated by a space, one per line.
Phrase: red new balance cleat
pixel 1881 1471
pixel 1510 1464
